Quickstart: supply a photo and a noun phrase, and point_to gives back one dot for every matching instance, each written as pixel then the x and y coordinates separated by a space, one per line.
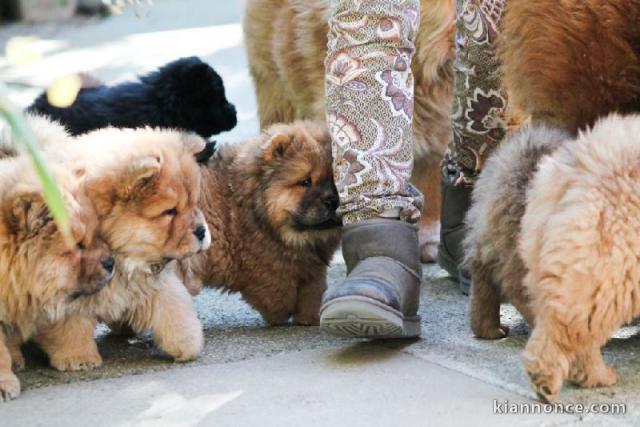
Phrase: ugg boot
pixel 456 201
pixel 380 296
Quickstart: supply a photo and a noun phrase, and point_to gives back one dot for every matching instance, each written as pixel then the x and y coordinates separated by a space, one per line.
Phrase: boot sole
pixel 362 317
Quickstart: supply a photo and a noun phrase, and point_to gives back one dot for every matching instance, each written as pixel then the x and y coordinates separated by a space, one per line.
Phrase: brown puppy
pixel 570 62
pixel 145 185
pixel 580 244
pixel 43 280
pixel 286 43
pixel 271 205
pixel 493 221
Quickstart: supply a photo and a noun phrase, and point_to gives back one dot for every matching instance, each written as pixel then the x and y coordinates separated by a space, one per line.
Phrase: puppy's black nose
pixel 200 232
pixel 230 109
pixel 108 264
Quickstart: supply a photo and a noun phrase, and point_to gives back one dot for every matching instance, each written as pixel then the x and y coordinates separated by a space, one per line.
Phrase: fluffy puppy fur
pixel 493 221
pixel 185 94
pixel 286 43
pixel 145 186
pixel 271 205
pixel 43 279
pixel 580 244
pixel 567 63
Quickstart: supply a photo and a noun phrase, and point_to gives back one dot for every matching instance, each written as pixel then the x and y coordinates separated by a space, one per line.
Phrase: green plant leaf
pixel 51 192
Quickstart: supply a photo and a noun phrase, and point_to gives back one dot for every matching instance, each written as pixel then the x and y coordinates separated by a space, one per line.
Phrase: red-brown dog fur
pixel 569 62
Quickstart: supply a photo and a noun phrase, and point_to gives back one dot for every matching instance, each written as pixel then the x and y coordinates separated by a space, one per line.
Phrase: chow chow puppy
pixel 185 94
pixel 271 205
pixel 580 245
pixel 145 186
pixel 493 221
pixel 44 279
pixel 568 63
pixel 286 44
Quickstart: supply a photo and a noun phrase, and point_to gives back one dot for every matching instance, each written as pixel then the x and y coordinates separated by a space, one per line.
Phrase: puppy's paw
pixel 494 333
pixel 76 362
pixel 17 362
pixel 429 252
pixel 276 318
pixel 429 238
pixel 184 348
pixel 306 319
pixel 545 380
pixel 603 376
pixel 9 386
pixel 489 331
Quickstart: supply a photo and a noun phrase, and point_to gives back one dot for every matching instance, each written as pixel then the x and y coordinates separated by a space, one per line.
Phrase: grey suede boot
pixel 380 296
pixel 456 201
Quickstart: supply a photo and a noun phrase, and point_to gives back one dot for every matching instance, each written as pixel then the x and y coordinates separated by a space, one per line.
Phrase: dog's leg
pixel 545 361
pixel 426 178
pixel 172 319
pixel 276 304
pixel 309 299
pixel 590 370
pixel 70 344
pixel 14 342
pixel 9 383
pixel 485 304
pixel 275 316
pixel 273 104
pixel 522 304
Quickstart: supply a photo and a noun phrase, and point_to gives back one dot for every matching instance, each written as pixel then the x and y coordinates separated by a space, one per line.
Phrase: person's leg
pixel 369 88
pixel 479 122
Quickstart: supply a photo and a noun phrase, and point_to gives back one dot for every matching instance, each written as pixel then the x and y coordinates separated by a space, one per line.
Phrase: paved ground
pixel 250 374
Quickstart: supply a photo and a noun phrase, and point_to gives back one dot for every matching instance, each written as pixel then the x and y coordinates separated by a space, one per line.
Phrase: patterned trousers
pixel 369 91
pixel 479 122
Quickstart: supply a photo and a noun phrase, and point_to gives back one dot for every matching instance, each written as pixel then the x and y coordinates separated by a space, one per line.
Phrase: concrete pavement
pixel 250 374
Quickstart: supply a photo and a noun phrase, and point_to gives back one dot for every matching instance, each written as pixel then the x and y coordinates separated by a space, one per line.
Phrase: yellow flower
pixel 63 92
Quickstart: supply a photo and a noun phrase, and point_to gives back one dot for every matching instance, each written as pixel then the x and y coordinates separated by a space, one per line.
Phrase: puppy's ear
pixel 197 69
pixel 193 144
pixel 276 146
pixel 26 212
pixel 138 174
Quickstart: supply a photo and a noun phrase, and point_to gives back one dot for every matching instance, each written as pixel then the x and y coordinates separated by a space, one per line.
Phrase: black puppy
pixel 185 94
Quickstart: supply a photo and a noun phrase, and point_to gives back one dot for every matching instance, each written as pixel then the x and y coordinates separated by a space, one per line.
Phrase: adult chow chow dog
pixel 44 279
pixel 493 221
pixel 145 186
pixel 286 43
pixel 567 63
pixel 271 206
pixel 185 94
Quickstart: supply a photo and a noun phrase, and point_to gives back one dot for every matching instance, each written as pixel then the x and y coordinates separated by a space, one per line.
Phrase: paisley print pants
pixel 369 91
pixel 479 122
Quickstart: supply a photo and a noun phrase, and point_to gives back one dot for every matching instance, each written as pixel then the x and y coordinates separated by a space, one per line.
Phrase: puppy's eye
pixel 305 183
pixel 80 246
pixel 170 212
